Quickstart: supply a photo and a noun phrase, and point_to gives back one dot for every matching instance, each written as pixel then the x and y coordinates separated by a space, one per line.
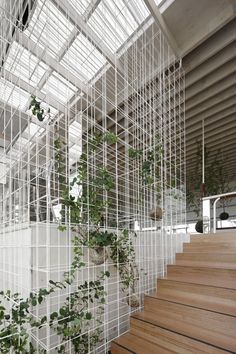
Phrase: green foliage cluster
pixel 123 256
pixel 37 110
pixel 151 163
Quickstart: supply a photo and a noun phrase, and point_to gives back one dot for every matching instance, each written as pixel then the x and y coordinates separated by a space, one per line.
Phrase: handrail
pixel 220 196
pixel 216 198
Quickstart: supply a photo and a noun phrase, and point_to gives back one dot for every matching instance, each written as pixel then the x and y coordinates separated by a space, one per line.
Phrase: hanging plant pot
pixel 133 301
pixel 199 226
pixel 98 255
pixel 156 214
pixel 224 216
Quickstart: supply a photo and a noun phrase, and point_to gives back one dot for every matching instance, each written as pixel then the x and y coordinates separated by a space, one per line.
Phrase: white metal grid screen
pixel 111 138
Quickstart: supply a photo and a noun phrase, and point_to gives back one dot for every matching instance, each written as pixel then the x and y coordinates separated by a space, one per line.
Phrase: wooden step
pixel 221 237
pixel 210 247
pixel 117 349
pixel 227 261
pixel 219 277
pixel 170 340
pixel 129 343
pixel 202 296
pixel 210 327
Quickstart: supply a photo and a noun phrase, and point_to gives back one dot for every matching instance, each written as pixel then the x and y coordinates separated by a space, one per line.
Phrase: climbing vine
pixel 74 317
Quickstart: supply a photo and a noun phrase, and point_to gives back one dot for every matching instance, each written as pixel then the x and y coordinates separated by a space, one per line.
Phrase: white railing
pixel 207 207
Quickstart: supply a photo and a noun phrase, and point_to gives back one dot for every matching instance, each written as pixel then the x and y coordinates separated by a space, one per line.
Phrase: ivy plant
pixel 37 110
pixel 74 317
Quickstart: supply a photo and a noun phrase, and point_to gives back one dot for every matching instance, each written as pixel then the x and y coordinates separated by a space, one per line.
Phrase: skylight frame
pixel 49 28
pixel 111 17
pixel 80 6
pixel 13 95
pixel 83 59
pixel 56 81
pixel 22 63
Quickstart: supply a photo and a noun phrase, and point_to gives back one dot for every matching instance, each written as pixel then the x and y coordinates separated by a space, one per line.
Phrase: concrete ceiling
pixel 211 95
pixel 204 32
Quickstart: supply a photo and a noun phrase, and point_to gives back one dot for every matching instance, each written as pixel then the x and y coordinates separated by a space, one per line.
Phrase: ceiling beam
pixel 227 162
pixel 225 154
pixel 218 125
pixel 154 10
pixel 212 78
pixel 229 147
pixel 211 102
pixel 211 120
pixel 217 136
pixel 213 110
pixel 210 47
pixel 192 99
pixel 212 64
pixel 208 93
pixel 213 145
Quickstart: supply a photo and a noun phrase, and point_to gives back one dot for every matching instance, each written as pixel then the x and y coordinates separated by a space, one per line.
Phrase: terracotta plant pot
pixel 156 214
pixel 133 301
pixel 98 255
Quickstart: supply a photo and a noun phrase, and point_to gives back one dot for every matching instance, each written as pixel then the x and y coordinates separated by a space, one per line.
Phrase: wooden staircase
pixel 194 308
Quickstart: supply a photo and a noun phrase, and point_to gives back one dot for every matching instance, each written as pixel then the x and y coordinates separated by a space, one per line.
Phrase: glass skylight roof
pixel 114 21
pixel 83 59
pixel 22 63
pixel 13 95
pixel 62 89
pixel 48 27
pixel 80 5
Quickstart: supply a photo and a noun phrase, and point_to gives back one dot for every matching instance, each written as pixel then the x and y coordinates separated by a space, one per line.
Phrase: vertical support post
pixel 214 215
pixel 203 153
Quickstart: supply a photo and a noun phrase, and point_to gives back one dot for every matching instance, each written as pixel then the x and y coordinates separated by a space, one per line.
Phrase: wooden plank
pixel 210 247
pixel 202 296
pixel 171 340
pixel 218 237
pixel 117 349
pixel 207 326
pixel 137 345
pixel 227 261
pixel 225 278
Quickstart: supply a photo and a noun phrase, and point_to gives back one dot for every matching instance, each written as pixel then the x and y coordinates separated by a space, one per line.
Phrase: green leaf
pixel 53 316
pixel 62 228
pixel 34 302
pixel 88 316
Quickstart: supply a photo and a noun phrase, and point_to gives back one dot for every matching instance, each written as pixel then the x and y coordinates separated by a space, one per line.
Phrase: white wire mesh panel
pixel 92 176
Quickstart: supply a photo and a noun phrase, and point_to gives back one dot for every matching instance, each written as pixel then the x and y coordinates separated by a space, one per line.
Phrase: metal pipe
pixel 203 152
pixel 232 194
